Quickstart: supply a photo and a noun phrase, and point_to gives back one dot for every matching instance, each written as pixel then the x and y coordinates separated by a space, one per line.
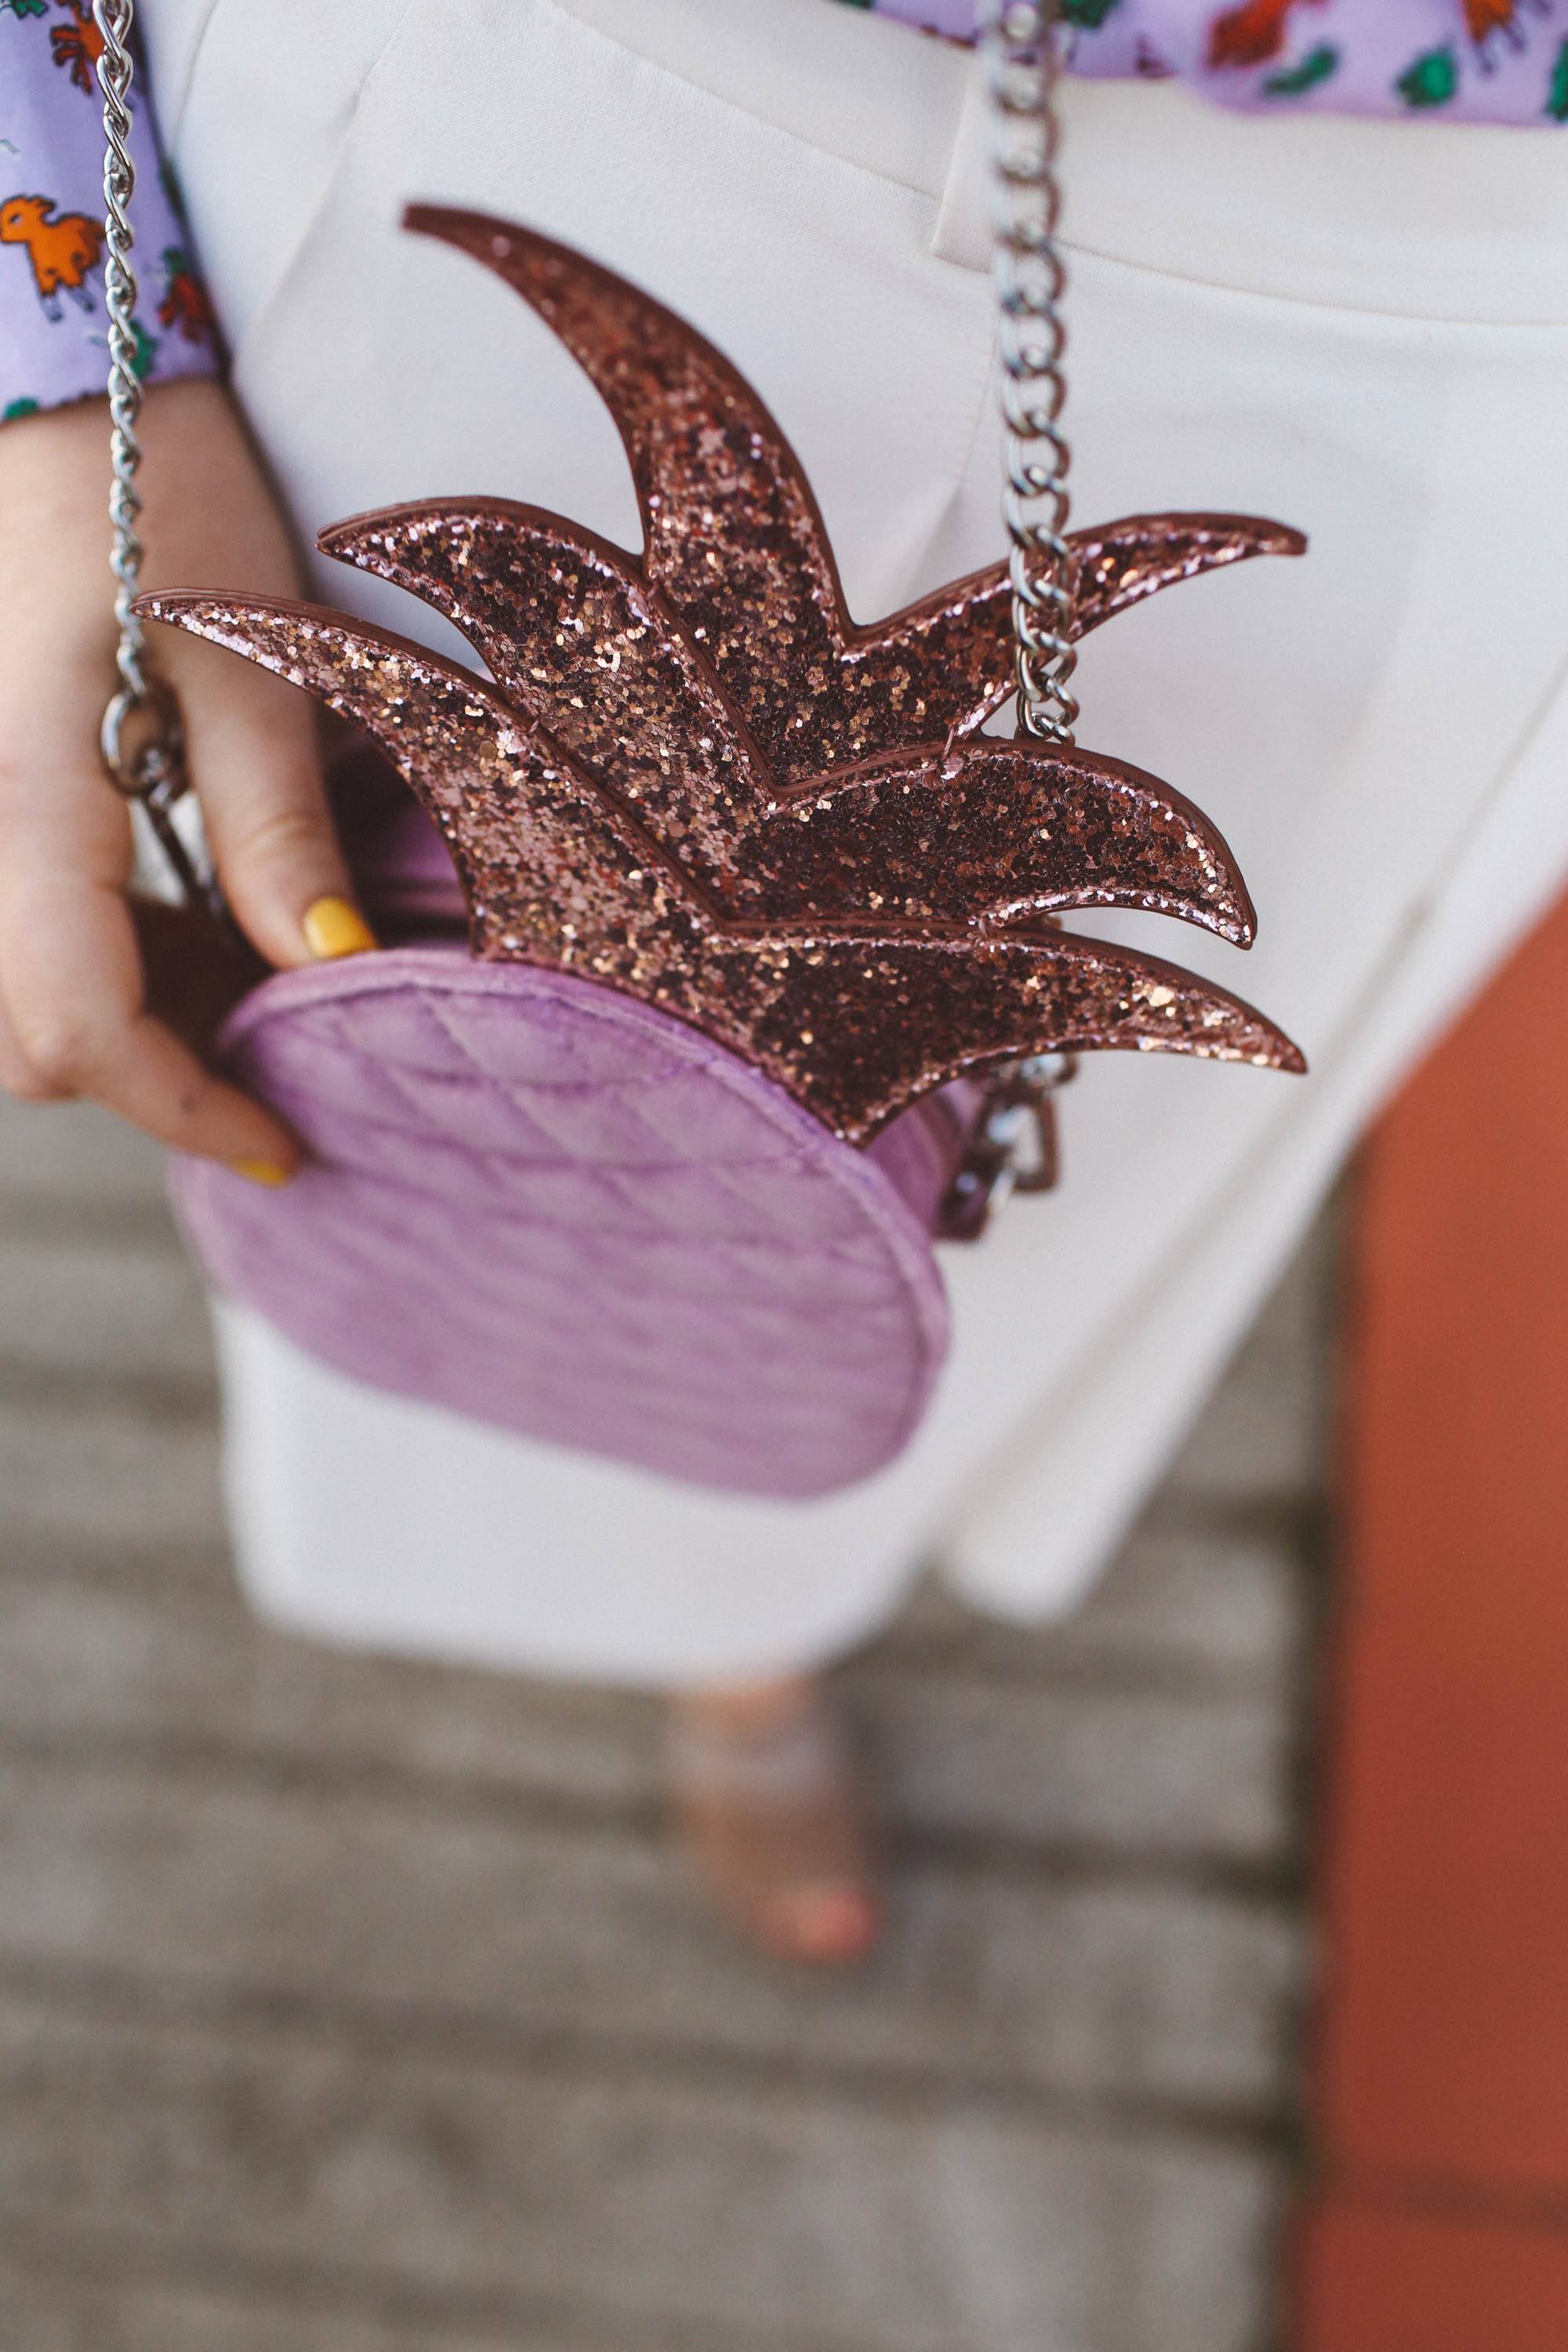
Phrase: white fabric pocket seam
pixel 666 72
pixel 174 117
pixel 352 112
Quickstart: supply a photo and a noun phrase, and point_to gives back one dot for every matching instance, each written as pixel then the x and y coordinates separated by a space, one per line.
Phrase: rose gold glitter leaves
pixel 950 658
pixel 695 781
pixel 579 642
pixel 992 832
pixel 734 539
pixel 1121 563
pixel 731 527
pixel 553 872
pixel 859 1028
pixel 853 1024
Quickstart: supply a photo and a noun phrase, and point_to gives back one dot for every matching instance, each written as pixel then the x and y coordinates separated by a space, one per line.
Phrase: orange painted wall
pixel 1442 2091
pixel 1418 2283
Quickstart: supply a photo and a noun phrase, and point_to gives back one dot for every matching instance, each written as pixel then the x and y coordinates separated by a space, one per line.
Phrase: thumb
pixel 256 764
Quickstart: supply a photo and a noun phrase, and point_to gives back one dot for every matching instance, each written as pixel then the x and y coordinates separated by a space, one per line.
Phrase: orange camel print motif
pixel 53 347
pixel 62 251
pixel 77 45
pixel 1485 17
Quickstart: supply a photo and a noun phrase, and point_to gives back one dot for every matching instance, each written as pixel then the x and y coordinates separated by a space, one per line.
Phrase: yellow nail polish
pixel 270 1172
pixel 333 929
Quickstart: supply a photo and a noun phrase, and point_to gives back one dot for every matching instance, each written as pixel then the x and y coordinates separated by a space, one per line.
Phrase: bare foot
pixel 765 1801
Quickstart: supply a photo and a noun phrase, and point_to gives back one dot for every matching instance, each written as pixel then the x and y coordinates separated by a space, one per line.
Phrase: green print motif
pixel 23 8
pixel 1557 90
pixel 1294 81
pixel 15 409
pixel 1432 80
pixel 1088 14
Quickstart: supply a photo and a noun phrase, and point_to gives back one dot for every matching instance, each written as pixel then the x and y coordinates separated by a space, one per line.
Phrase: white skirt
pixel 1362 329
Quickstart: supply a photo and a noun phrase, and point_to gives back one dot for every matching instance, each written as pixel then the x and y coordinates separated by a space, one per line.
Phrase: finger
pixel 72 983
pixel 256 764
pixel 18 1075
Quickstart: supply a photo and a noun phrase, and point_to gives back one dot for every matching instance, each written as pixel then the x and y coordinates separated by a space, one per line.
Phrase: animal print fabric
pixel 53 325
pixel 1463 60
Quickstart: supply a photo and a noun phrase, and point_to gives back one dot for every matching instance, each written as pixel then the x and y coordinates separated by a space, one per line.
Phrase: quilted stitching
pixel 546 1206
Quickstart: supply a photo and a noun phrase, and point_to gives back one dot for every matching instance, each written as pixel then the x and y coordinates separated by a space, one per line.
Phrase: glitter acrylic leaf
pixel 697 781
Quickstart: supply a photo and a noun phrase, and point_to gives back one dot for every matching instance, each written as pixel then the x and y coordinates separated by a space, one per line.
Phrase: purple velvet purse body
pixel 712 915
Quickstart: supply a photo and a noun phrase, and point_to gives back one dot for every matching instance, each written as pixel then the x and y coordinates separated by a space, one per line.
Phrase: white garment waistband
pixel 1463 223
pixel 1459 221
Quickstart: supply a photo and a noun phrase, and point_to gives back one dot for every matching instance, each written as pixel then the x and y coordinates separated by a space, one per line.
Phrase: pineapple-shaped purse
pixel 722 958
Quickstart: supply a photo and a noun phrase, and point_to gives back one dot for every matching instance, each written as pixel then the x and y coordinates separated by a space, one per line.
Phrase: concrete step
pixel 1263 1435
pixel 1130 1775
pixel 905 2227
pixel 1210 1603
pixel 500 1932
pixel 104 1310
pixel 58 1156
pixel 1138 1775
pixel 46 2310
pixel 98 1481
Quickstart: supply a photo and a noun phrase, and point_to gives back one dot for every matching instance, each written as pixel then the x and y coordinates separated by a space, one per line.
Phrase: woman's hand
pixel 73 1015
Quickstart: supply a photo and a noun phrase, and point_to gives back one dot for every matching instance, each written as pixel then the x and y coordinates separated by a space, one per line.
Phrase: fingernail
pixel 333 928
pixel 269 1172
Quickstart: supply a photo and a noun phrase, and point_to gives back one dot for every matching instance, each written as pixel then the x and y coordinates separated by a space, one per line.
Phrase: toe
pixel 826 1924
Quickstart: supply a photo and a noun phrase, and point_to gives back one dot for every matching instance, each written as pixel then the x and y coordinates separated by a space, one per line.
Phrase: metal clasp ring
pixel 154 769
pixel 152 775
pixel 1013 1148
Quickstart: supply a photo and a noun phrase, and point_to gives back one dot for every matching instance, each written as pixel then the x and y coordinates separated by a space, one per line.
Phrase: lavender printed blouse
pixel 1465 61
pixel 1473 61
pixel 54 331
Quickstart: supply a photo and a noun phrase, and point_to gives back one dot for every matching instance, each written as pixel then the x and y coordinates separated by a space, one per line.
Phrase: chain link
pixel 142 739
pixel 114 19
pixel 1018 46
pixel 1013 1145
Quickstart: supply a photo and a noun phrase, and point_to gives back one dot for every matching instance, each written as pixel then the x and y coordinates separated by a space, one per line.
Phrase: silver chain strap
pixel 1019 50
pixel 1013 1148
pixel 142 739
pixel 113 18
